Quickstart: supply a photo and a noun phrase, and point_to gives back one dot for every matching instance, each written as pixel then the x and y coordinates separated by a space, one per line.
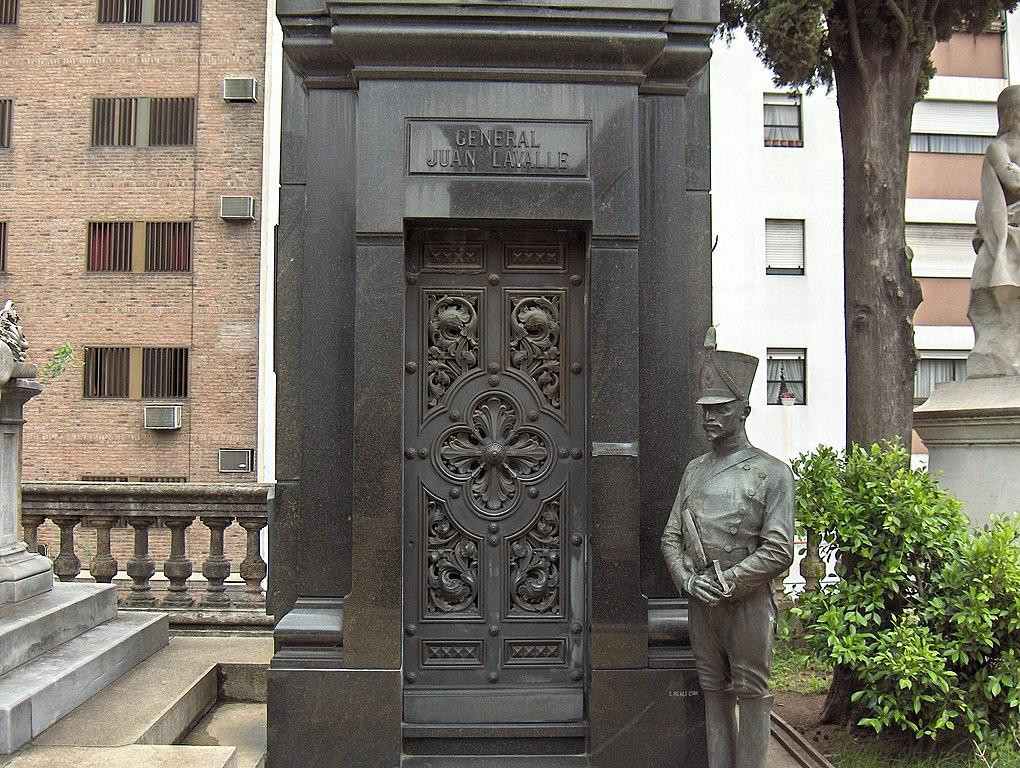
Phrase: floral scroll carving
pixel 452 342
pixel 493 454
pixel 534 563
pixel 452 564
pixel 534 342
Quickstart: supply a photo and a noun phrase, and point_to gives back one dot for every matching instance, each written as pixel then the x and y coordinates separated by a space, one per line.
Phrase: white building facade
pixel 778 226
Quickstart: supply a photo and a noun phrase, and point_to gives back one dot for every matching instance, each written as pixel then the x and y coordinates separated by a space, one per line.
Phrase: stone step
pixel 37 694
pixel 486 761
pixel 32 627
pixel 130 756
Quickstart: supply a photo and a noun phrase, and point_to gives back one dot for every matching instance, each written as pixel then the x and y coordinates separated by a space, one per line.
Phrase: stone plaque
pixel 496 147
pixel 614 449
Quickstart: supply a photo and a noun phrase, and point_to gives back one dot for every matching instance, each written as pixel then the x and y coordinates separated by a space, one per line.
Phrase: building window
pixel 953 127
pixel 143 121
pixel 147 11
pixel 112 246
pixel 107 371
pixel 787 376
pixel 3 246
pixel 6 122
pixel 783 127
pixel 941 250
pixel 165 372
pixel 8 11
pixel 936 370
pixel 949 144
pixel 784 246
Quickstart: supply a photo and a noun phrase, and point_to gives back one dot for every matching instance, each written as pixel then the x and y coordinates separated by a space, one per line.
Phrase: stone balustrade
pixel 77 508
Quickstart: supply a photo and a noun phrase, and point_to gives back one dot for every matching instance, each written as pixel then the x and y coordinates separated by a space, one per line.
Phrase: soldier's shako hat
pixel 725 376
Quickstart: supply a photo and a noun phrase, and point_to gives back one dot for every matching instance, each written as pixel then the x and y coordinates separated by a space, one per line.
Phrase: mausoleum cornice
pixel 658 44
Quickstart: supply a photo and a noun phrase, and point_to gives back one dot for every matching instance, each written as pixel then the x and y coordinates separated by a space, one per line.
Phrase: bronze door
pixel 494 481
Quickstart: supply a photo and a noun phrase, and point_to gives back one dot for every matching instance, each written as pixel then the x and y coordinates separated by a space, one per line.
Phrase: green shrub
pixel 926 614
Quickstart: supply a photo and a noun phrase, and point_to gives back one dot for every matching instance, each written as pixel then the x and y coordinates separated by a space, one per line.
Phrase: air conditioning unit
pixel 237 459
pixel 237 208
pixel 162 417
pixel 240 89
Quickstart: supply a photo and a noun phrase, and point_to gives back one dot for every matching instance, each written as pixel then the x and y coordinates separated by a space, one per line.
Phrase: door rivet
pixel 410 677
pixel 575 279
pixel 576 674
pixel 533 492
pixel 577 453
pixel 493 367
pixel 493 677
pixel 411 278
pixel 493 279
pixel 532 415
pixel 576 539
pixel 455 493
pixel 575 368
pixel 493 540
pixel 493 528
pixel 494 629
pixel 564 453
pixel 410 453
pixel 411 629
pixel 576 627
pixel 411 366
pixel 454 415
pixel 494 380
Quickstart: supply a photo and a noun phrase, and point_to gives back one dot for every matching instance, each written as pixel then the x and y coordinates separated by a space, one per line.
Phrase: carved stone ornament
pixel 535 564
pixel 452 342
pixel 494 455
pixel 535 342
pixel 11 333
pixel 452 581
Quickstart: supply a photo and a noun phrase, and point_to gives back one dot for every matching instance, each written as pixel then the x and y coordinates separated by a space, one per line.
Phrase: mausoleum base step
pixel 40 692
pixel 32 627
pixel 494 761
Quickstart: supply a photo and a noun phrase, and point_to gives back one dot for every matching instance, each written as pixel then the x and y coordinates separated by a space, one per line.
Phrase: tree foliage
pixel 799 39
pixel 926 614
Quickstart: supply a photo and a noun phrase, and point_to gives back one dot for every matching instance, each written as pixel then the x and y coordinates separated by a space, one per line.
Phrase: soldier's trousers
pixel 732 643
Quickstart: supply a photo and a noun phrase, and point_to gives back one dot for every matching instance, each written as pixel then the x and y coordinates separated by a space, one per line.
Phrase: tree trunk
pixel 875 109
pixel 876 88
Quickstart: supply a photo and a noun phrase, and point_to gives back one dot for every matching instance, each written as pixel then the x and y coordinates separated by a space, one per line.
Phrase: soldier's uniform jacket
pixel 740 506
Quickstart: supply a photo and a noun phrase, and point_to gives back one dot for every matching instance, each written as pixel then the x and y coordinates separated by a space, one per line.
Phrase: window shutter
pixel 941 250
pixel 784 244
pixel 968 118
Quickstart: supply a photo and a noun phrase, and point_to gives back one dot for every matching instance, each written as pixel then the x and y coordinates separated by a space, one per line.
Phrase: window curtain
pixel 782 122
pixel 931 372
pixel 789 372
pixel 949 144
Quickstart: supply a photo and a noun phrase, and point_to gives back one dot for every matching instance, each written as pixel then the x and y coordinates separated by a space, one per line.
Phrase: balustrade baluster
pixel 811 566
pixel 104 566
pixel 30 529
pixel 178 568
pixel 216 567
pixel 253 567
pixel 140 567
pixel 67 565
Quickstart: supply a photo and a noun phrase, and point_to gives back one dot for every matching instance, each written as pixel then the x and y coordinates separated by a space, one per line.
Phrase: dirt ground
pixel 801 711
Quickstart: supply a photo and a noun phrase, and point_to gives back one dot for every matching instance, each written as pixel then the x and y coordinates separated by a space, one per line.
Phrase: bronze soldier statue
pixel 729 535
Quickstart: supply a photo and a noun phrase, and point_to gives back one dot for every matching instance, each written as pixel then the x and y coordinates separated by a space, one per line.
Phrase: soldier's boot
pixel 721 724
pixel 754 732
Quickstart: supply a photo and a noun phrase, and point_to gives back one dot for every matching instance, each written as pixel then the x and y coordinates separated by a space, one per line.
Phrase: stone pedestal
pixel 972 431
pixel 23 574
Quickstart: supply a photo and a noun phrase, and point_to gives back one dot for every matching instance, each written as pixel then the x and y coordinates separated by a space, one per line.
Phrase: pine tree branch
pixel 901 41
pixel 855 37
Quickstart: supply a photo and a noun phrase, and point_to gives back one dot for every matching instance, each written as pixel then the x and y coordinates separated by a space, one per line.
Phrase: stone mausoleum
pixel 493 280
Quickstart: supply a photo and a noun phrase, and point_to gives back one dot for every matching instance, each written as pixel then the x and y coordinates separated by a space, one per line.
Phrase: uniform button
pixel 733 530
pixel 761 475
pixel 729 547
pixel 746 467
pixel 750 493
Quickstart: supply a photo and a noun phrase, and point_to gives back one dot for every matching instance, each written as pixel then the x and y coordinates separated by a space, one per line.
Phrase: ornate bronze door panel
pixel 494 481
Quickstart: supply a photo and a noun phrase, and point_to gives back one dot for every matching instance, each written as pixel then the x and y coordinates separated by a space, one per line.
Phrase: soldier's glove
pixel 704 589
pixel 740 589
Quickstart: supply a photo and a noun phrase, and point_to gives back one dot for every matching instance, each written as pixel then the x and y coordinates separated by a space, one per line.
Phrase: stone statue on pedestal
pixel 730 533
pixel 995 284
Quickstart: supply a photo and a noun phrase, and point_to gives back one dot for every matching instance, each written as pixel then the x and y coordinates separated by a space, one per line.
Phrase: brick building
pixel 117 146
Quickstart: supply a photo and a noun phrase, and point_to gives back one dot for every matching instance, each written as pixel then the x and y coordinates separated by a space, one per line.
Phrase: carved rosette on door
pixel 495 519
